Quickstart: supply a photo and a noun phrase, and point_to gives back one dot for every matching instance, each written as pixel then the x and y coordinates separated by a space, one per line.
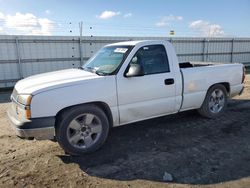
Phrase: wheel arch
pixel 225 84
pixel 102 105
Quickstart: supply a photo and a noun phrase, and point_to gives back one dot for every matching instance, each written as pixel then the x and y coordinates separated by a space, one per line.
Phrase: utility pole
pixel 80 43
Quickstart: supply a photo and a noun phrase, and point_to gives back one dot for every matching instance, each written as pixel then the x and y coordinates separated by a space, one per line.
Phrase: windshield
pixel 107 60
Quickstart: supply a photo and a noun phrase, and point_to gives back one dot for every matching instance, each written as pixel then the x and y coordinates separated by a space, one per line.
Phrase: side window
pixel 153 58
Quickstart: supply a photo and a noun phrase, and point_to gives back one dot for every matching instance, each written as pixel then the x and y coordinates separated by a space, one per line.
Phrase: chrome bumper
pixel 38 133
pixel 38 128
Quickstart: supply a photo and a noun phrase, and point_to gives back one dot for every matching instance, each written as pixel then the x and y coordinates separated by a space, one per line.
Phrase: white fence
pixel 22 56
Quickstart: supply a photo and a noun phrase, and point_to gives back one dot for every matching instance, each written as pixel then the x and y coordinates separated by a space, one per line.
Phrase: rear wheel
pixel 82 129
pixel 215 102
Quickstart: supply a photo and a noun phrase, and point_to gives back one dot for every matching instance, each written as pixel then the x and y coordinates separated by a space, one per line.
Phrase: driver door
pixel 149 95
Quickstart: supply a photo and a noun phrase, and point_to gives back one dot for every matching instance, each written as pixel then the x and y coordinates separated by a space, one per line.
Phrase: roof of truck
pixel 133 43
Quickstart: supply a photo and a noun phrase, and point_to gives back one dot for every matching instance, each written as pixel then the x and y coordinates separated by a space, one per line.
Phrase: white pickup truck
pixel 123 83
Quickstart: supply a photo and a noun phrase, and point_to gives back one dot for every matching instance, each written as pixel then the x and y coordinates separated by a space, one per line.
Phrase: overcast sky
pixel 215 18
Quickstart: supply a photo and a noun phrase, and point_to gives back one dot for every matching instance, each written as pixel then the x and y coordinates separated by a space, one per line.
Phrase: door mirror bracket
pixel 134 70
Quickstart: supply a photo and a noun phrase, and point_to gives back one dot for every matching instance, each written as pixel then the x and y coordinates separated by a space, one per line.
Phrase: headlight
pixel 25 100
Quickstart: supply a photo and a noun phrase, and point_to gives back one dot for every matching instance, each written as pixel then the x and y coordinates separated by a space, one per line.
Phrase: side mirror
pixel 135 70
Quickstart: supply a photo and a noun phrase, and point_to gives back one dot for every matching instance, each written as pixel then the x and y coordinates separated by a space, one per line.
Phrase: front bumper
pixel 38 128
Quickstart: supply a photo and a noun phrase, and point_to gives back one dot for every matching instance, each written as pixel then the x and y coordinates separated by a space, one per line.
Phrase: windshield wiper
pixel 100 73
pixel 89 69
pixel 93 70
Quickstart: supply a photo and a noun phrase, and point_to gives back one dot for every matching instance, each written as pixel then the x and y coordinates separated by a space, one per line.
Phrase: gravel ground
pixel 197 152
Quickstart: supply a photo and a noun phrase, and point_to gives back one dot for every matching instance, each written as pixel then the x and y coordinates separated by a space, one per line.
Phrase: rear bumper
pixel 236 90
pixel 38 128
pixel 241 91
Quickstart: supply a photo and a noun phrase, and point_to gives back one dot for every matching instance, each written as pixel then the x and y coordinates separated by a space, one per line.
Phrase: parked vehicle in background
pixel 123 83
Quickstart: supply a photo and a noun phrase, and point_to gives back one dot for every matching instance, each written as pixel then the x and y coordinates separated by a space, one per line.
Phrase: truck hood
pixel 46 81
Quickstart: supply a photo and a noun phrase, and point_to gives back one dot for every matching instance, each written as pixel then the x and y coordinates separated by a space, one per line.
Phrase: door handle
pixel 169 81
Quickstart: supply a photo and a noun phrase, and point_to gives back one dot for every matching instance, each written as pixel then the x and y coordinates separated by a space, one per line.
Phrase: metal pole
pixel 171 40
pixel 204 48
pixel 207 56
pixel 20 70
pixel 80 43
pixel 232 51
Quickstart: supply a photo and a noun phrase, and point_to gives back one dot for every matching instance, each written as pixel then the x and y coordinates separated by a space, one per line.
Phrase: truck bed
pixel 198 76
pixel 196 64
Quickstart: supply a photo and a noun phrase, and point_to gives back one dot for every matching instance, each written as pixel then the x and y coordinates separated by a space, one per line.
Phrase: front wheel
pixel 215 102
pixel 82 129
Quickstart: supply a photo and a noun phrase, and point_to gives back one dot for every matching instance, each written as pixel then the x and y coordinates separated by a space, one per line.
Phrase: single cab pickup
pixel 122 83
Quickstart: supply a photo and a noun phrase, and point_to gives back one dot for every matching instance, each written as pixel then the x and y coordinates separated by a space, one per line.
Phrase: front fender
pixel 49 103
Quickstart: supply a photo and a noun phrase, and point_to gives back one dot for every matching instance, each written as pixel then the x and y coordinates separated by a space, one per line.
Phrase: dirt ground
pixel 198 152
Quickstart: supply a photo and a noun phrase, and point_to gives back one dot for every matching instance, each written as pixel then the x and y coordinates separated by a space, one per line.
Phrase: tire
pixel 82 129
pixel 215 102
